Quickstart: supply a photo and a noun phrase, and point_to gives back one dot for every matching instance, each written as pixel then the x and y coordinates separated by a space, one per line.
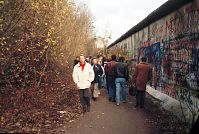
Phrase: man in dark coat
pixel 110 78
pixel 121 75
pixel 142 74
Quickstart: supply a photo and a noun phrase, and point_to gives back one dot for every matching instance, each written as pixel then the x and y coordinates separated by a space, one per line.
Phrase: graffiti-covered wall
pixel 171 45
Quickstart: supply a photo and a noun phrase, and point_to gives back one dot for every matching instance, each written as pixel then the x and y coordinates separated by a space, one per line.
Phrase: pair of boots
pixel 94 99
pixel 141 106
pixel 112 99
pixel 86 109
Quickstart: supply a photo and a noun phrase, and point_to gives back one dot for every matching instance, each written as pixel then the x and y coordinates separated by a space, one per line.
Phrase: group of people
pixel 117 74
pixel 87 74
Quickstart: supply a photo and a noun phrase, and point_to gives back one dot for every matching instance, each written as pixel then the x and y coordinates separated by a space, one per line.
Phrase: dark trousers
pixel 195 127
pixel 111 87
pixel 107 84
pixel 84 98
pixel 140 97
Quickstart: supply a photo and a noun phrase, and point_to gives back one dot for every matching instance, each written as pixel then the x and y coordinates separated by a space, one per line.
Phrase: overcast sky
pixel 118 16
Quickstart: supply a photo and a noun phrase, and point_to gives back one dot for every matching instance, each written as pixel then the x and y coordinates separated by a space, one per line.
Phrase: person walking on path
pixel 95 83
pixel 110 78
pixel 121 74
pixel 142 74
pixel 107 84
pixel 83 75
pixel 102 79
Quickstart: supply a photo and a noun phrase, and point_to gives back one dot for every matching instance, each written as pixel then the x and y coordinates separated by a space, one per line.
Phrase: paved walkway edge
pixel 171 104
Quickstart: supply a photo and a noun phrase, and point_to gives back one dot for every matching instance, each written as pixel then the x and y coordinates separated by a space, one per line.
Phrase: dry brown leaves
pixel 38 110
pixel 164 121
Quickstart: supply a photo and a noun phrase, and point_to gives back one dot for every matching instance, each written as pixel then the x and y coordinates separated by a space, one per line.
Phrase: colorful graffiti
pixel 153 53
pixel 183 60
pixel 171 45
pixel 175 62
pixel 175 53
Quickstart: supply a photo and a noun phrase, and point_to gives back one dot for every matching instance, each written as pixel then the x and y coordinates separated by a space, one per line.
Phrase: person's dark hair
pixel 93 59
pixel 143 59
pixel 113 57
pixel 121 59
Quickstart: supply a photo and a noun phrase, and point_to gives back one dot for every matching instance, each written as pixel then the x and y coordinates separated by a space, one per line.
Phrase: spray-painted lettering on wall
pixel 175 62
pixel 182 60
pixel 175 55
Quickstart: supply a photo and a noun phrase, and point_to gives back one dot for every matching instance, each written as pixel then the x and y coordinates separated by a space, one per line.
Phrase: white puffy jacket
pixel 83 78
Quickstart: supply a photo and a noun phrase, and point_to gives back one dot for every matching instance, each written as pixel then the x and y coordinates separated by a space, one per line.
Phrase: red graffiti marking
pixel 169 90
pixel 191 7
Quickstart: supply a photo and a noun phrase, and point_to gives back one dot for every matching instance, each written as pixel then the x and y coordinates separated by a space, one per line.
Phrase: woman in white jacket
pixel 83 75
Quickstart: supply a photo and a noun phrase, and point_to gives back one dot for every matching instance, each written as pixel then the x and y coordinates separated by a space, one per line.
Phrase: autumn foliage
pixel 39 40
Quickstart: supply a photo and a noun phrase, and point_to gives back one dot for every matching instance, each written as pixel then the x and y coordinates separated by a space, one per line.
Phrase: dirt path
pixel 107 118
